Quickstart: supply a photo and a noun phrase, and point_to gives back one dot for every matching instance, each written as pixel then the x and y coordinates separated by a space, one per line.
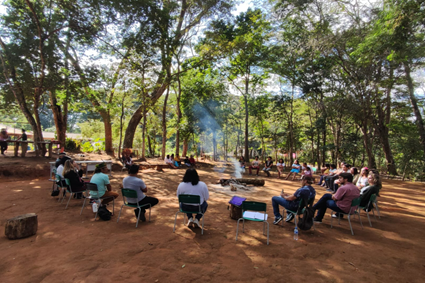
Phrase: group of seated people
pixel 176 162
pixel 351 186
pixel 280 165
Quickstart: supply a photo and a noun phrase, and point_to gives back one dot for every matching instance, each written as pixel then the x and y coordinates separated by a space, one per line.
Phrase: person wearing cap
pixel 340 201
pixel 61 159
pixel 4 138
pixel 292 202
pixel 134 183
pixel 101 179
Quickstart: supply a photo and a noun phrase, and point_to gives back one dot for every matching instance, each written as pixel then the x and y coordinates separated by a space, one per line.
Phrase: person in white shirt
pixel 280 167
pixel 192 186
pixel 169 161
pixel 133 183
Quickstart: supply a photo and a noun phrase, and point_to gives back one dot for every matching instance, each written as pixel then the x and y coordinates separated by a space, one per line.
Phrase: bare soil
pixel 70 247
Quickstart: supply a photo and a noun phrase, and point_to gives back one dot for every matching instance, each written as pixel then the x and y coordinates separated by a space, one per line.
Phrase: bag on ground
pixel 306 221
pixel 104 213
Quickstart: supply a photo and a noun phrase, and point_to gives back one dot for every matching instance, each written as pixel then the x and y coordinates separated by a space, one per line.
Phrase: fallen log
pixel 255 182
pixel 21 226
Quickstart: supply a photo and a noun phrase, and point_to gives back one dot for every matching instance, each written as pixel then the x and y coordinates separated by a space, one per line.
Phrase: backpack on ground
pixel 306 221
pixel 104 213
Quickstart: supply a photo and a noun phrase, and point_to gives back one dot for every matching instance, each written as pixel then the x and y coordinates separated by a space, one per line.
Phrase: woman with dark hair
pixel 192 186
pixel 355 172
pixel 101 179
pixel 296 168
pixel 72 173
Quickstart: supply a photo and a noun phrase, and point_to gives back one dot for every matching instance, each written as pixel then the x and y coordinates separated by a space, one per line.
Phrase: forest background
pixel 326 81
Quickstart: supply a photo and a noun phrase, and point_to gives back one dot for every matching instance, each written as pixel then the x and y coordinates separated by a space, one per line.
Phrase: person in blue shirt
pixel 292 202
pixel 296 169
pixel 101 179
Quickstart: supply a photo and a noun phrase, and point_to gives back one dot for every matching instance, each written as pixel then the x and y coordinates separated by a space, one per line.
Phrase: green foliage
pixel 71 144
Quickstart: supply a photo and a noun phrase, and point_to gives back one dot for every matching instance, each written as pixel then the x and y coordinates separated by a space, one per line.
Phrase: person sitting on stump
pixel 296 169
pixel 340 201
pixel 268 166
pixel 254 165
pixel 292 202
pixel 134 183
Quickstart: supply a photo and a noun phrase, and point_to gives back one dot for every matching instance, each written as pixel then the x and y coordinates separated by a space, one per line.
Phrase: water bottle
pixel 296 234
pixel 95 206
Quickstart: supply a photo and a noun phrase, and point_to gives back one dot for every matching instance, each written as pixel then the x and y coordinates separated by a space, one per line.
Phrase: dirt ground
pixel 70 247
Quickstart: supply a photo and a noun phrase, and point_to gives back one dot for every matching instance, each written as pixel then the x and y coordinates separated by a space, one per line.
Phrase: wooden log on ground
pixel 255 182
pixel 21 226
pixel 235 187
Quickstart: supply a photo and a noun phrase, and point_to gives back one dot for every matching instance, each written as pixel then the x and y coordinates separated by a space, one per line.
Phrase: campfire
pixel 240 183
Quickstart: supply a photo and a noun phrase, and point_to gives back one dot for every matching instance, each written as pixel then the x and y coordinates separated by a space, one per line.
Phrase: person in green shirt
pixel 101 179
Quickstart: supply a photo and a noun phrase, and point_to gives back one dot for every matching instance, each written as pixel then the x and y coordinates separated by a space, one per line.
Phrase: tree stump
pixel 21 226
pixel 159 168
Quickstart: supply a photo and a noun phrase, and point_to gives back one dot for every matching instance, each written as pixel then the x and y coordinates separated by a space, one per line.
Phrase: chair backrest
pixel 356 201
pixel 68 183
pixel 254 206
pixel 190 199
pixel 58 178
pixel 91 187
pixel 372 198
pixel 128 193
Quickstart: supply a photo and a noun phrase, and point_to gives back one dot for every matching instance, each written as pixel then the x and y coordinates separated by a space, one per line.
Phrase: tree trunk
pixel 151 153
pixel 419 121
pixel 246 119
pixel 108 132
pixel 164 124
pixel 121 123
pixel 179 114
pixel 144 130
pixel 185 146
pixel 367 145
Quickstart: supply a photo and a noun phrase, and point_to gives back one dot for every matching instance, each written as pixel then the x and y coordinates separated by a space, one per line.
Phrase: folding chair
pixel 257 207
pixel 53 180
pixel 354 203
pixel 69 190
pixel 93 187
pixel 189 199
pixel 60 187
pixel 372 201
pixel 127 193
pixel 300 210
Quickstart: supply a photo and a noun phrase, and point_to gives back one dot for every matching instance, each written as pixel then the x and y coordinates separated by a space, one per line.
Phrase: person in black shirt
pixel 268 166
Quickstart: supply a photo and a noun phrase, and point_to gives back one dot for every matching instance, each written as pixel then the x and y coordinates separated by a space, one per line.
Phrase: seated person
pixel 4 138
pixel 133 183
pixel 332 172
pixel 331 178
pixel 242 162
pixel 73 174
pixel 296 169
pixel 280 167
pixel 61 159
pixel 373 187
pixel 355 173
pixel 325 172
pixel 192 161
pixel 169 162
pixel 363 180
pixel 177 160
pixel 59 172
pixel 127 161
pixel 340 201
pixel 186 161
pixel 292 202
pixel 101 179
pixel 191 185
pixel 268 166
pixel 345 169
pixel 307 173
pixel 254 165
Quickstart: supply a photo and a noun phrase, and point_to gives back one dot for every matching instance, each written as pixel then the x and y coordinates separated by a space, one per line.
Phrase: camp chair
pixel 93 187
pixel 127 193
pixel 60 187
pixel 257 207
pixel 372 201
pixel 189 199
pixel 354 203
pixel 69 190
pixel 300 210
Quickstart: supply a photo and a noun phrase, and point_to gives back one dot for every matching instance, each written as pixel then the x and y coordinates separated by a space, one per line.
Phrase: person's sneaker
pixel 336 215
pixel 142 217
pixel 289 217
pixel 317 220
pixel 196 223
pixel 329 190
pixel 277 220
pixel 190 222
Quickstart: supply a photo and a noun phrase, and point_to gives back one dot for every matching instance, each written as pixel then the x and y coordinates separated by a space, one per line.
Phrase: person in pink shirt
pixel 341 200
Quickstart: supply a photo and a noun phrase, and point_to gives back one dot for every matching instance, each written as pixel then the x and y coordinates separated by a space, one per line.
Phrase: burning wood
pixel 240 183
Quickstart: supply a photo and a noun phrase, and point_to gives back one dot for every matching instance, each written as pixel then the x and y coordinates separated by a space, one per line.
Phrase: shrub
pixel 87 147
pixel 71 144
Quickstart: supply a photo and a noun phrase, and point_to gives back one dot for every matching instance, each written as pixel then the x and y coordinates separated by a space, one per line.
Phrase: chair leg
pixel 138 216
pixel 373 211
pixel 175 219
pixel 237 229
pixel 70 196
pixel 377 209
pixel 349 221
pixel 84 204
pixel 368 218
pixel 203 216
pixel 268 232
pixel 119 214
pixel 359 217
pixel 243 225
pixel 331 219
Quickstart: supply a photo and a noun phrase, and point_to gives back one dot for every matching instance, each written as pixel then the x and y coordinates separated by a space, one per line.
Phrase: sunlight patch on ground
pixel 396 237
pixel 350 241
pixel 329 276
pixel 17 190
